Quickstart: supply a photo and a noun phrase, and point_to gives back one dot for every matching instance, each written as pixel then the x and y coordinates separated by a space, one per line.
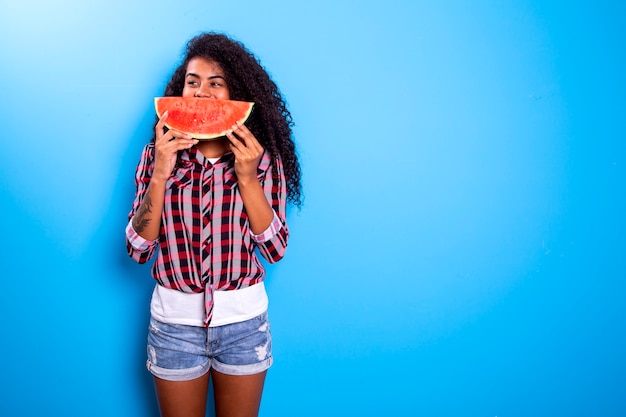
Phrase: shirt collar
pixel 226 161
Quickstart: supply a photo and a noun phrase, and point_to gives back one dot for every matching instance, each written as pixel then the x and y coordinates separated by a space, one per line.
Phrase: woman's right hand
pixel 167 145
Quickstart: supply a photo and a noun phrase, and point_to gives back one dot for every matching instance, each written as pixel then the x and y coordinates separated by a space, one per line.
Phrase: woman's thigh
pixel 182 398
pixel 237 395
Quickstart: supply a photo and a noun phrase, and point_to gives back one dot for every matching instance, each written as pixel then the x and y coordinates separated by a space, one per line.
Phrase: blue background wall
pixel 461 247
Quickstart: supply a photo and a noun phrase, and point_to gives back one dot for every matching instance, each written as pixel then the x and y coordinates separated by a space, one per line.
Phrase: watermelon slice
pixel 202 118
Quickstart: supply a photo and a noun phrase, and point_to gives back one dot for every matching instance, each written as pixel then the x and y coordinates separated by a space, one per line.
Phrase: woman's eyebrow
pixel 191 74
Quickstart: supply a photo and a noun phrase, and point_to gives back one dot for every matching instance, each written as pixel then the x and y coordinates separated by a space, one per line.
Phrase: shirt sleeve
pixel 272 243
pixel 270 232
pixel 138 248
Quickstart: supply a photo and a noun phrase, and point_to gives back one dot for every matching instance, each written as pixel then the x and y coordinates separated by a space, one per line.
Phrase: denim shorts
pixel 177 352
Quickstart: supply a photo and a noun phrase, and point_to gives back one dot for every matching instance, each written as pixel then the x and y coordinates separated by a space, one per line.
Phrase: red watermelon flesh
pixel 202 118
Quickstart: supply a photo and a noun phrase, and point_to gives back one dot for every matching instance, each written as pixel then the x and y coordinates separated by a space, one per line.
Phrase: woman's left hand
pixel 247 150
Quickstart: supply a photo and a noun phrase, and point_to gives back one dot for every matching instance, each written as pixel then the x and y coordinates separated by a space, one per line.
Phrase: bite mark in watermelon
pixel 202 118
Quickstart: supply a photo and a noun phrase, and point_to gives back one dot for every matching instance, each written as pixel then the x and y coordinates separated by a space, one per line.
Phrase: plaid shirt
pixel 205 242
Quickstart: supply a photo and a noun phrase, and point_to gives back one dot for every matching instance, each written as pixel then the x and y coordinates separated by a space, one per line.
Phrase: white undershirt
pixel 176 307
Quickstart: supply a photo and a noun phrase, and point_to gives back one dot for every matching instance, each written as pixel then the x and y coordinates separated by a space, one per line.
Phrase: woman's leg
pixel 182 398
pixel 237 396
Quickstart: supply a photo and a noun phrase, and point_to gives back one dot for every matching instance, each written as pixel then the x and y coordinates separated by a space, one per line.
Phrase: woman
pixel 201 209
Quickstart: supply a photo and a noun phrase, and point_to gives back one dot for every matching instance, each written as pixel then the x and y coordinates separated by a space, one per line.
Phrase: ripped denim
pixel 178 352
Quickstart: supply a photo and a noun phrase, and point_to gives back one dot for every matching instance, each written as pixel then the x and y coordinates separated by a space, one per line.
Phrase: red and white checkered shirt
pixel 205 242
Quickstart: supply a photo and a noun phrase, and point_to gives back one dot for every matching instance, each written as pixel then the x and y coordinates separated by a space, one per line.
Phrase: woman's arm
pixel 265 201
pixel 248 152
pixel 147 220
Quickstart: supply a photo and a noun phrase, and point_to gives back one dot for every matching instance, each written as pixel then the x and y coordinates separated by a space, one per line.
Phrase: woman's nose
pixel 203 92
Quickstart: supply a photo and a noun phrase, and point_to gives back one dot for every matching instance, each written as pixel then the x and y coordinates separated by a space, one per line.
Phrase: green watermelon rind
pixel 193 116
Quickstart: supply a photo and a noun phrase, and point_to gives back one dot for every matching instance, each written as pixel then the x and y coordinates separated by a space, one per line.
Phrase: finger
pixel 169 143
pixel 181 144
pixel 167 152
pixel 247 137
pixel 235 141
pixel 242 131
pixel 172 135
pixel 163 117
pixel 236 152
pixel 161 125
pixel 241 151
pixel 176 134
pixel 159 129
pixel 241 127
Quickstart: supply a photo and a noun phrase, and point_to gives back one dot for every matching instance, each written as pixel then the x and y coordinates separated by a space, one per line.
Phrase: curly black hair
pixel 248 80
